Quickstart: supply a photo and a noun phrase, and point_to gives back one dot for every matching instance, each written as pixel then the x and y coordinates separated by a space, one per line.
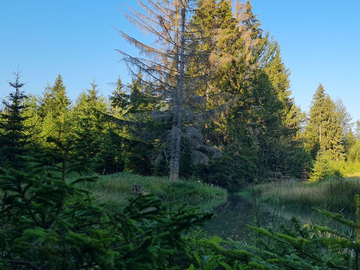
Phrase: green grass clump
pixel 114 190
pixel 334 194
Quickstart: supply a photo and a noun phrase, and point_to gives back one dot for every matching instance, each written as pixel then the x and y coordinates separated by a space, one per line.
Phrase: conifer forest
pixel 210 103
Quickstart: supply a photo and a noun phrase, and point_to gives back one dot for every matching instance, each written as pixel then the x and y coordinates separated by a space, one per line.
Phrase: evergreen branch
pixel 30 132
pixel 291 244
pixel 149 65
pixel 147 69
pixel 87 266
pixel 148 50
pixel 32 265
pixel 89 225
pixel 172 41
pixel 143 24
pixel 337 217
pixel 29 209
pixel 150 83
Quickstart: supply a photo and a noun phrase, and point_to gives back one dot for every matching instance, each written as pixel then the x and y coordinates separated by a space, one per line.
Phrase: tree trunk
pixel 176 132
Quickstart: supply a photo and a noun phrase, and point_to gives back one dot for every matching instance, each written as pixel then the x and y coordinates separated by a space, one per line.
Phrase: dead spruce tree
pixel 166 68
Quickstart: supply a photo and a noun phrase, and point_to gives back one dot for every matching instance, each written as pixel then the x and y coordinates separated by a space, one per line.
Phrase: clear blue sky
pixel 319 41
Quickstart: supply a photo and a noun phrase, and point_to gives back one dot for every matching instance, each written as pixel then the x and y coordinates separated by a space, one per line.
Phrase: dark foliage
pixel 50 223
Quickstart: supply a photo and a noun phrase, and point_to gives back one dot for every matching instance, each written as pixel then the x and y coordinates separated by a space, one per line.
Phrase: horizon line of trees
pixel 215 105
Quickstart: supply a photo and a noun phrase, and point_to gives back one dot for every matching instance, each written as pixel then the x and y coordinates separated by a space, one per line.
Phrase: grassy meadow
pixel 334 194
pixel 114 190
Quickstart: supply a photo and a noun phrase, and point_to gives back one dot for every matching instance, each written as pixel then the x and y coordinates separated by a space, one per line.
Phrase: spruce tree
pixel 258 120
pixel 252 34
pixel 333 139
pixel 167 62
pixel 138 136
pixel 357 130
pixel 346 124
pixel 323 131
pixel 291 156
pixel 354 152
pixel 119 98
pixel 55 112
pixel 90 127
pixel 14 133
pixel 317 116
pixel 32 123
pixel 344 117
pixel 349 143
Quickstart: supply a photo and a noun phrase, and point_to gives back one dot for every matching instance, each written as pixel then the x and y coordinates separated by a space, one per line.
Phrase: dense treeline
pixel 233 123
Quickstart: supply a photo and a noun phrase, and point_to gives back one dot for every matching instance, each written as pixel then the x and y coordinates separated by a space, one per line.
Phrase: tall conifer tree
pixel 13 133
pixel 261 122
pixel 55 111
pixel 323 131
pixel 167 62
pixel 89 125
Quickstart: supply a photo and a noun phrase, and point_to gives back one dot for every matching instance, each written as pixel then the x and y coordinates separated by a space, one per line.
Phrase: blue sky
pixel 319 40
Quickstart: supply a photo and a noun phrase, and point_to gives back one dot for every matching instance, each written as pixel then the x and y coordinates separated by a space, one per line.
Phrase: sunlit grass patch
pixel 114 190
pixel 355 174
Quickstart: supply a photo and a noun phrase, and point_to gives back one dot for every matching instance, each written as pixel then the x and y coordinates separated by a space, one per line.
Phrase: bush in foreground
pixel 49 223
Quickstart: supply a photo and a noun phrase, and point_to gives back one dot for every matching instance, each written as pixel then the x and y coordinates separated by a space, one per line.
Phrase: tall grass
pixel 114 190
pixel 334 194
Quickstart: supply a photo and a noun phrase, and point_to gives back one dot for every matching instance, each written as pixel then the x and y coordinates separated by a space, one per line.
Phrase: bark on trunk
pixel 176 132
